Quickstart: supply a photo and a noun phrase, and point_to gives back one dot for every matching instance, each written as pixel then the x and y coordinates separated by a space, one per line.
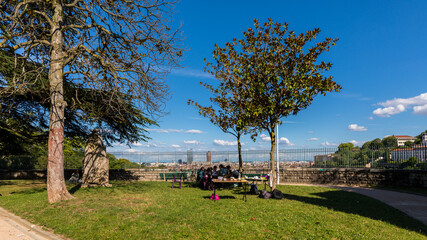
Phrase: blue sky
pixel 380 61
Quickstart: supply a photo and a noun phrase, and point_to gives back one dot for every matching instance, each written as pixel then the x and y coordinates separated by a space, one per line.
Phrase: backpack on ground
pixel 214 197
pixel 277 194
pixel 254 189
pixel 264 194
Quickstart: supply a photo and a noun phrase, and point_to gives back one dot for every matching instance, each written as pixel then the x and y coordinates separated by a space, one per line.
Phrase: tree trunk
pixel 272 165
pixel 239 149
pixel 56 189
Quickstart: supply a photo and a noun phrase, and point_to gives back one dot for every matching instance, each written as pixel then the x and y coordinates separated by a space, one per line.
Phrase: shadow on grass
pixel 30 191
pixel 361 205
pixel 191 184
pixel 75 188
pixel 2 183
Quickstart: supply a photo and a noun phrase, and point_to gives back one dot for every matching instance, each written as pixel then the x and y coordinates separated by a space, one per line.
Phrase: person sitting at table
pixel 215 172
pixel 207 179
pixel 209 172
pixel 200 174
pixel 222 171
pixel 235 173
pixel 229 172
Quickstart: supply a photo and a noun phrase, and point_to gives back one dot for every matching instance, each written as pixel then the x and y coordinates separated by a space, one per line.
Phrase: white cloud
pixel 311 132
pixel 219 142
pixel 371 118
pixel 149 145
pixel 355 127
pixel 158 130
pixel 398 105
pixel 132 150
pixel 175 130
pixel 195 131
pixel 137 144
pixel 329 144
pixel 195 142
pixel 285 141
pixel 192 73
pixel 282 140
pixel 422 110
pixel 388 111
pixel 357 143
pixel 175 146
pixel 265 138
pixel 313 139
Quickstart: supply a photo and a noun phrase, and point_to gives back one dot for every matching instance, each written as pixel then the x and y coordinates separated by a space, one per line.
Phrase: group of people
pixel 205 176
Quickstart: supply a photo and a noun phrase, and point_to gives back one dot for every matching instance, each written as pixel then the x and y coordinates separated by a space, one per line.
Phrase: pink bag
pixel 214 197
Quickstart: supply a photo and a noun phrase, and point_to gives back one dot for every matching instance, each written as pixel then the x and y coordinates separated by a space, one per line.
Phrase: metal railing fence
pixel 379 158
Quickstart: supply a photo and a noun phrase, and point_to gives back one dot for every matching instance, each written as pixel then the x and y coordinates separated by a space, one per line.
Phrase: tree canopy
pixel 121 50
pixel 276 72
pixel 227 111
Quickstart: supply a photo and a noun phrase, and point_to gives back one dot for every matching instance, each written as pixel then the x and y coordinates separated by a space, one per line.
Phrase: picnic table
pixel 244 182
pixel 259 179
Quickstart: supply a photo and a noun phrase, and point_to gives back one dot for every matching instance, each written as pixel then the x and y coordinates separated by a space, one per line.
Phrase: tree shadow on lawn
pixel 75 189
pixel 354 203
pixel 30 191
pixel 5 182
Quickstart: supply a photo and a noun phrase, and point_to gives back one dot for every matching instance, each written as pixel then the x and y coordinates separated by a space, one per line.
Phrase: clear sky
pixel 380 61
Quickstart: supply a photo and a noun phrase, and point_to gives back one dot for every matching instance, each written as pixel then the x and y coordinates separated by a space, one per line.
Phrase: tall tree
pixel 121 47
pixel 278 72
pixel 228 110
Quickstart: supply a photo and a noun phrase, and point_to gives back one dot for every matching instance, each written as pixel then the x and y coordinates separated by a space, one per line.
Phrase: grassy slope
pixel 139 210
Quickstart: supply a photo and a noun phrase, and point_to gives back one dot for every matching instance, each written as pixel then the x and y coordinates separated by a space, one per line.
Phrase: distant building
pixel 424 138
pixel 318 159
pixel 209 157
pixel 190 156
pixel 418 151
pixel 401 139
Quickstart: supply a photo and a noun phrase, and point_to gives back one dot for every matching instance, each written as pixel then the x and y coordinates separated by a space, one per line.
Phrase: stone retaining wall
pixel 336 176
pixel 353 176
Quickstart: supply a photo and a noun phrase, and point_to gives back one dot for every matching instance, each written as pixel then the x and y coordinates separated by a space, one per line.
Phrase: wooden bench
pixel 169 176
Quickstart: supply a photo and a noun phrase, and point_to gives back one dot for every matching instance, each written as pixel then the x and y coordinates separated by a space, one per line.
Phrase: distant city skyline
pixel 380 61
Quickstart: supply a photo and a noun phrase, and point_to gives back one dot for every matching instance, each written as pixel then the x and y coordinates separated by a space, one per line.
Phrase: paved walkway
pixel 411 204
pixel 15 228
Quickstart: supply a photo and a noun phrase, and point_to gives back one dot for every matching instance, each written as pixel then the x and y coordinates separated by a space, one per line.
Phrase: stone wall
pixel 352 176
pixel 115 174
pixel 336 176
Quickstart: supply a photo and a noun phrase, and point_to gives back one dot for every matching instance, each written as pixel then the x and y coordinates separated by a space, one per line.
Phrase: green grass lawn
pixel 152 210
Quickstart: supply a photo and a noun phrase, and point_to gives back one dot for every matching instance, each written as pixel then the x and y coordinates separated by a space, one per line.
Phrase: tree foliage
pixel 121 50
pixel 419 138
pixel 228 109
pixel 389 142
pixel 276 72
pixel 87 109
